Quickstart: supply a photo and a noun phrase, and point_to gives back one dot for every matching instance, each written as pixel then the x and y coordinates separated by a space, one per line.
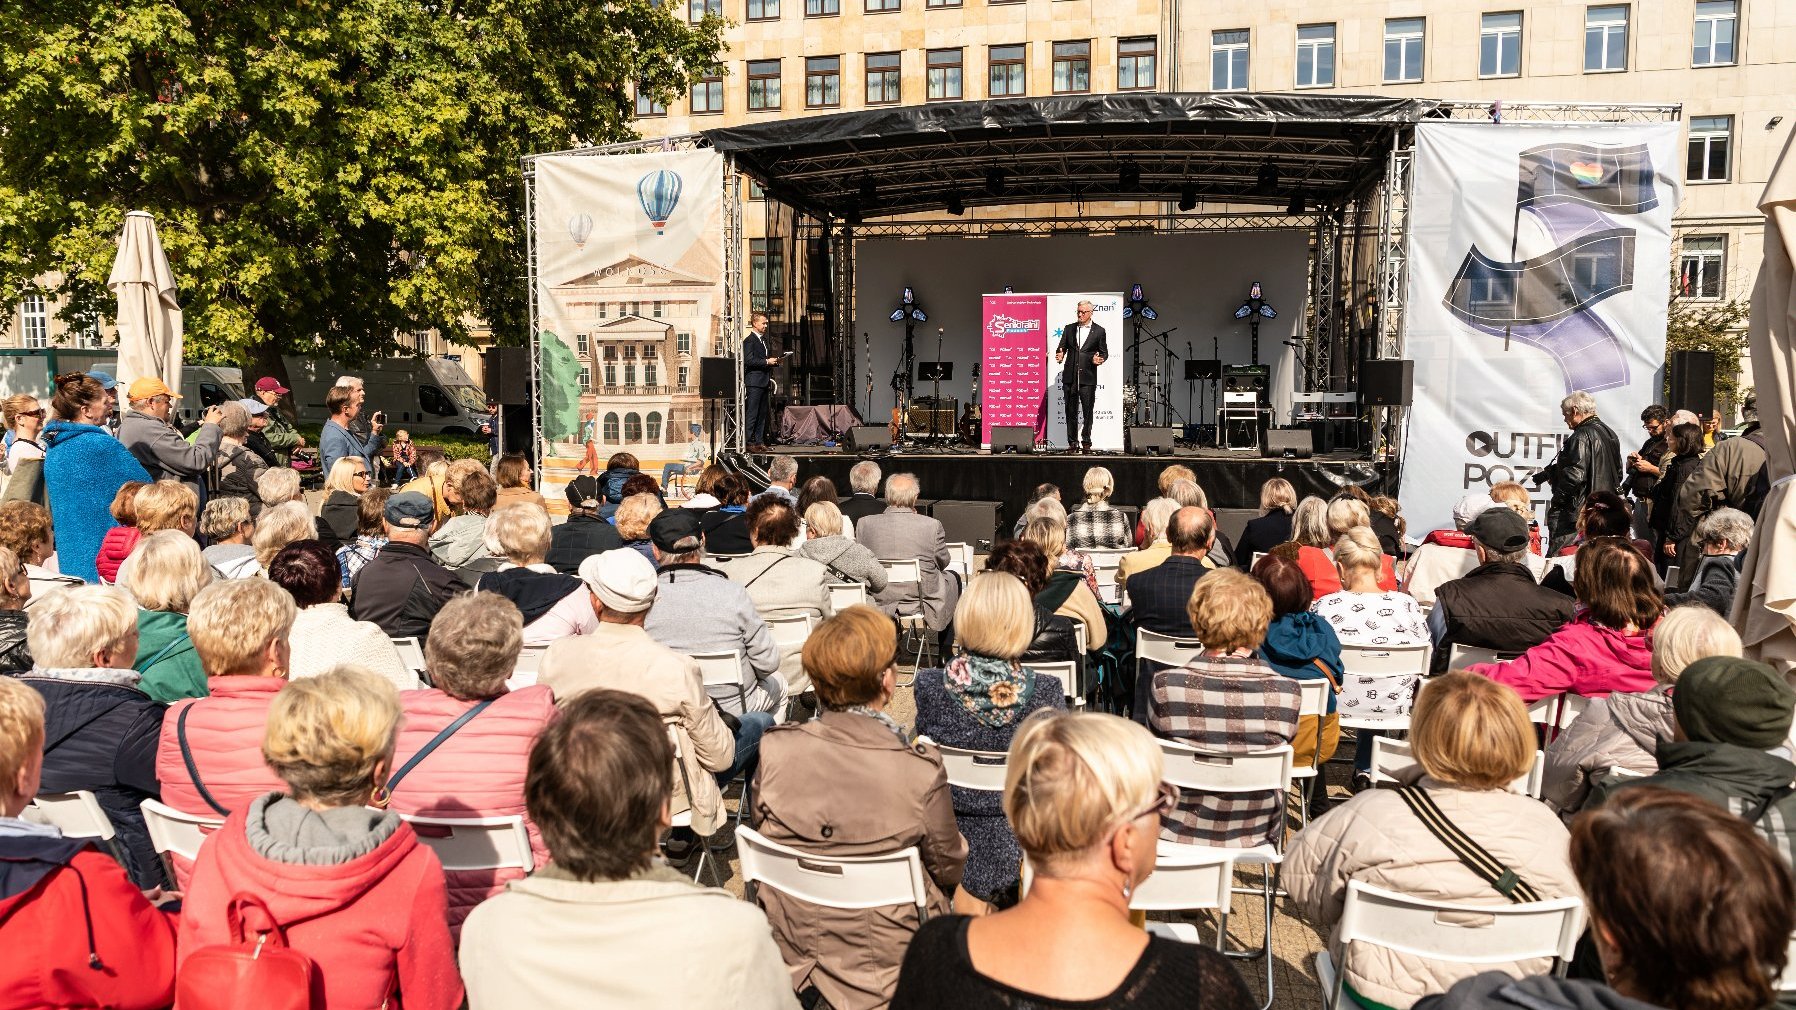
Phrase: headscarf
pixel 993 691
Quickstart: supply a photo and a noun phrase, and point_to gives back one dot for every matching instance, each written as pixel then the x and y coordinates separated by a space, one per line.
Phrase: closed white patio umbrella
pixel 149 318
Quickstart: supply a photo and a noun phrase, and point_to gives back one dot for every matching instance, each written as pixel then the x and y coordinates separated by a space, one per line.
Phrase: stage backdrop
pixel 1539 264
pixel 1020 383
pixel 629 291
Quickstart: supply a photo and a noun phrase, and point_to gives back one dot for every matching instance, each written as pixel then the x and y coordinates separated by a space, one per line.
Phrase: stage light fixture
pixel 1267 182
pixel 994 181
pixel 898 314
pixel 955 207
pixel 918 314
pixel 1128 178
pixel 1188 197
pixel 1296 204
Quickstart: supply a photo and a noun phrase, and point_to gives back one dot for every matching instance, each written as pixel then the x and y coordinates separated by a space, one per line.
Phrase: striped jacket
pixel 1225 704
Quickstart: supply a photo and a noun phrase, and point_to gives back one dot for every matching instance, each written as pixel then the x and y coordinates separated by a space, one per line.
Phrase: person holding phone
pixel 337 440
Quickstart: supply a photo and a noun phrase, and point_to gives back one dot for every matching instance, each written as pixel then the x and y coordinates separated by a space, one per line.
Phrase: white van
pixel 30 371
pixel 422 395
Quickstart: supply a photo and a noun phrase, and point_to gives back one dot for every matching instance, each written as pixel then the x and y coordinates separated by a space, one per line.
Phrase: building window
pixel 629 373
pixel 1072 67
pixel 1316 56
pixel 655 309
pixel 647 106
pixel 763 10
pixel 1228 60
pixel 763 85
pixel 1710 144
pixel 1008 73
pixel 882 78
pixel 822 8
pixel 941 3
pixel 755 192
pixel 881 6
pixel 629 352
pixel 1403 50
pixel 632 427
pixel 585 377
pixel 683 373
pixel 1716 21
pixel 822 82
pixel 610 427
pixel 650 373
pixel 610 376
pixel 34 321
pixel 1701 266
pixel 683 342
pixel 944 74
pixel 1135 63
pixel 583 345
pixel 707 95
pixel 1500 45
pixel 604 309
pixel 1605 38
pixel 421 341
pixel 653 427
pixel 697 9
pixel 766 274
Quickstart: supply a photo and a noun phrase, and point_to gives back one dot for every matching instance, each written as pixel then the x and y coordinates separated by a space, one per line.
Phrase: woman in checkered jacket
pixel 1097 524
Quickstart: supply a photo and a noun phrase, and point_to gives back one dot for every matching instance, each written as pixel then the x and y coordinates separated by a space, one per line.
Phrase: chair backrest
pixel 961 559
pixel 1164 648
pixel 974 769
pixel 1257 555
pixel 1463 656
pixel 720 669
pixel 843 595
pixel 1186 877
pixel 790 631
pixel 411 653
pixel 1106 557
pixel 1107 590
pixel 725 557
pixel 1081 636
pixel 1395 691
pixel 1393 762
pixel 1386 660
pixel 476 843
pixel 1067 672
pixel 1262 771
pixel 902 571
pixel 1557 711
pixel 1462 933
pixel 893 878
pixel 172 831
pixel 77 814
pixel 1312 697
pixel 530 659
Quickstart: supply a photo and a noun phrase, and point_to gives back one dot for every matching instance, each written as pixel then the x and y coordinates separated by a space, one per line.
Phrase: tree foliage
pixel 323 173
pixel 1693 324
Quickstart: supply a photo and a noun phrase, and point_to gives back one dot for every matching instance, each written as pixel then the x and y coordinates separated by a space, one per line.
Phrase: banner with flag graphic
pixel 1539 264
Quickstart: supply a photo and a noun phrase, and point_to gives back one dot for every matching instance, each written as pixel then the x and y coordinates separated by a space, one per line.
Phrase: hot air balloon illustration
pixel 659 194
pixel 580 228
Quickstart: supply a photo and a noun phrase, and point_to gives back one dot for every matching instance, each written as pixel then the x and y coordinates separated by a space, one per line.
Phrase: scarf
pixel 888 721
pixel 993 691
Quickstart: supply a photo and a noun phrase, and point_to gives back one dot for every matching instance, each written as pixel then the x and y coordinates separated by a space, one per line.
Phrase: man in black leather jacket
pixel 1588 461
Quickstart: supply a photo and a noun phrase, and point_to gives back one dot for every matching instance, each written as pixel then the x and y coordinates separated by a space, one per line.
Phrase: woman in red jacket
pixel 352 887
pixel 76 932
pixel 209 758
pixel 116 547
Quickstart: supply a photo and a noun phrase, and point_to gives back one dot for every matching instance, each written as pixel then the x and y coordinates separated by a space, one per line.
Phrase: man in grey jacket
pixel 158 445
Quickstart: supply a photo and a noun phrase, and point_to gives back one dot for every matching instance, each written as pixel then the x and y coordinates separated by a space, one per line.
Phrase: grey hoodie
pixel 1620 731
pixel 281 829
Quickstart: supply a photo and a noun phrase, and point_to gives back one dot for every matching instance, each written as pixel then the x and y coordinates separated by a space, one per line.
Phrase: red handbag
pixel 260 971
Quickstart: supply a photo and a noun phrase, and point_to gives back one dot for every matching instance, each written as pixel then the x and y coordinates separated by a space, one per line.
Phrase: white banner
pixel 1107 411
pixel 1539 264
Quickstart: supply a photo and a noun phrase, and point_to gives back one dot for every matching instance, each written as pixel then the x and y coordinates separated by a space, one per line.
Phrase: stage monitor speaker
pixel 1150 441
pixel 1692 375
pixel 1013 438
pixel 1289 443
pixel 717 378
pixel 507 374
pixel 968 522
pixel 863 437
pixel 1387 382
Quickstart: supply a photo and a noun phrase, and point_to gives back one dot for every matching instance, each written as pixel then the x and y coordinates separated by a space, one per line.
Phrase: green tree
pixel 1696 325
pixel 323 173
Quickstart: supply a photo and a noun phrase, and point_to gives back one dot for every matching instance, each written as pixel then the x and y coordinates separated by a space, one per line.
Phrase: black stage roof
pixel 1239 148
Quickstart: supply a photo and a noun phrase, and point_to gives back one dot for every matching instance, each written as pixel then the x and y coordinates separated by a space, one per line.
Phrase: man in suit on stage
pixel 1085 340
pixel 757 380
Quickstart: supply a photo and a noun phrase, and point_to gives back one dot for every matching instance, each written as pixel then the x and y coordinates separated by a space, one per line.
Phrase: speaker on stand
pixel 1388 384
pixel 716 381
pixel 1691 375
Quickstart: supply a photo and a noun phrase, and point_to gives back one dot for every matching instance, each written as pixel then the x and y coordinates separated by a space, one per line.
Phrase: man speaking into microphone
pixel 1085 339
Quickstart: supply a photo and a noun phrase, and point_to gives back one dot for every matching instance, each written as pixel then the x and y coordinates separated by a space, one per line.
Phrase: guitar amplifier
pixel 1246 378
pixel 945 416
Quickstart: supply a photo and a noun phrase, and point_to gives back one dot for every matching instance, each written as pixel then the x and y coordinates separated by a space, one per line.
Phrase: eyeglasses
pixel 1164 802
pixel 363 474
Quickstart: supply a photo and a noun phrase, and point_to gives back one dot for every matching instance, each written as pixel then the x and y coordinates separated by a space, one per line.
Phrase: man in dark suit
pixel 757 380
pixel 1158 596
pixel 1085 341
pixel 863 480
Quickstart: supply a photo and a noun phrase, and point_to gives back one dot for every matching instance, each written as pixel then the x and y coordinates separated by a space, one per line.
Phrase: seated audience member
pixel 702 498
pixel 1383 521
pixel 1158 596
pixel 1278 499
pixel 1066 593
pixel 209 756
pixel 863 485
pixel 632 522
pixel 1608 646
pixel 620 655
pixel 637 484
pixel 1605 514
pixel 618 469
pixel 324 635
pixel 1084 797
pixel 373 909
pixel 1344 514
pixel 829 543
pixel 902 533
pixel 163 505
pixel 463 538
pixel 165 572
pixel 1302 646
pixel 116 546
pixel 370 534
pixel 1688 909
pixel 781 583
pixel 726 530
pixel 227 527
pixel 1096 524
pixel 1047 520
pixel 1158 548
pixel 25 530
pixel 102 727
pixel 817 490
pixel 582 930
pixel 338 516
pixel 1052 638
pixel 15 594
pixel 1515 495
pixel 1364 613
pixel 76 931
pixel 512 474
pixel 1189 495
pixel 279 526
pixel 402 588
pixel 1226 700
pixel 1471 740
pixel 1624 731
pixel 1723 535
pixel 432 481
pixel 976 703
pixel 1446 554
pixel 478 769
pixel 1496 605
pixel 1169 476
pixel 554 605
pixel 698 610
pixel 1309 531
pixel 1042 491
pixel 782 478
pixel 278 486
pixel 849 783
pixel 584 534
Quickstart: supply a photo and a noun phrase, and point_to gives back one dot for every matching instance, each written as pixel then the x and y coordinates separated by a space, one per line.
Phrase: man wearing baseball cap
pixel 402 587
pixel 110 385
pixel 277 441
pixel 1498 605
pixel 147 431
pixel 584 534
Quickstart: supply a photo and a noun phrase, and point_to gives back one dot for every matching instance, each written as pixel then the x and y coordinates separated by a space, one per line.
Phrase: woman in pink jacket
pixel 1608 647
pixel 478 769
pixel 209 757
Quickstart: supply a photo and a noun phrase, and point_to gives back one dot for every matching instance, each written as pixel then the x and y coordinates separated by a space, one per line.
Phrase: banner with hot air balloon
pixel 629 282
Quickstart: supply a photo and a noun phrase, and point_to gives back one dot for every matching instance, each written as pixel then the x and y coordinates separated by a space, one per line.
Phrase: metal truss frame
pixel 1081 224
pixel 1565 112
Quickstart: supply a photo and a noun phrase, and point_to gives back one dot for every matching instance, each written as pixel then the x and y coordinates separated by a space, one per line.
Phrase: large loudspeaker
pixel 1289 443
pixel 1387 382
pixel 717 378
pixel 1013 438
pixel 863 437
pixel 1692 382
pixel 968 522
pixel 1145 441
pixel 507 374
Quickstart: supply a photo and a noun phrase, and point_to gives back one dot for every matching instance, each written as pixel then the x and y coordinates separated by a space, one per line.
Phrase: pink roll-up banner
pixel 1013 385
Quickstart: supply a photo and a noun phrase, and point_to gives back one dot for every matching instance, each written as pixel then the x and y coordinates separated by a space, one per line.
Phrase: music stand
pixel 936 372
pixel 1200 370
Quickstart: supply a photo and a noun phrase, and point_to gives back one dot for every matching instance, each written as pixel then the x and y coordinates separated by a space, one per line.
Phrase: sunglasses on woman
pixel 1165 801
pixel 39 412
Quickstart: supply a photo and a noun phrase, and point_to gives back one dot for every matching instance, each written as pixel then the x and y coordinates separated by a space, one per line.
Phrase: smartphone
pixel 380 417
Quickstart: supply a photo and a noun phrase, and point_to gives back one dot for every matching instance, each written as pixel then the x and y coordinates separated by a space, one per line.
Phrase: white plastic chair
pixel 974 769
pixel 1449 931
pixel 1393 761
pixel 1108 591
pixel 683 819
pixel 1165 649
pixel 475 843
pixel 723 670
pixel 961 560
pixel 1386 660
pixel 1556 712
pixel 1462 656
pixel 1312 701
pixel 893 878
pixel 173 832
pixel 411 653
pixel 909 572
pixel 529 666
pixel 1068 674
pixel 1187 878
pixel 789 632
pixel 79 815
pixel 1787 981
pixel 843 595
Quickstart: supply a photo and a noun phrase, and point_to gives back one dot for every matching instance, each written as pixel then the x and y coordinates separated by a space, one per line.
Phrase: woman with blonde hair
pixel 827 541
pixel 165 574
pixel 632 520
pixel 280 526
pixel 1362 611
pixel 1084 798
pixel 26 531
pixel 1047 527
pixel 1071 590
pixel 374 905
pixel 24 418
pixel 15 594
pixel 1342 515
pixel 349 477
pixel 1095 524
pixel 1471 740
pixel 554 606
pixel 167 505
pixel 1278 503
pixel 976 703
